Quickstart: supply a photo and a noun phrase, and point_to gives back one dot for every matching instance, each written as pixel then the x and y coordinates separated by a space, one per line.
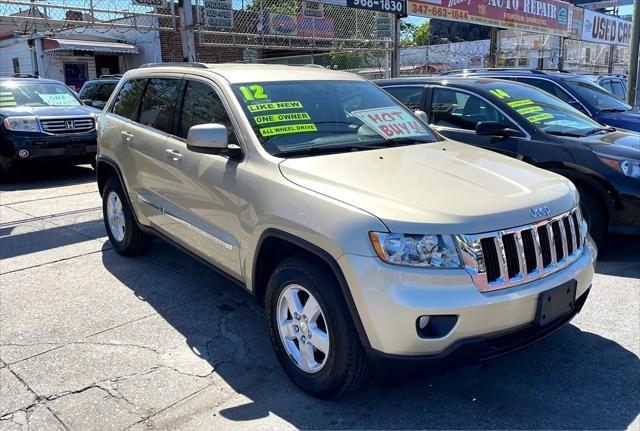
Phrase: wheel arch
pixel 588 183
pixel 286 245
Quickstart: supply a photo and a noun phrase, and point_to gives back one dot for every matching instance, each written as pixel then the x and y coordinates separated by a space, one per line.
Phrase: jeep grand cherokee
pixel 369 238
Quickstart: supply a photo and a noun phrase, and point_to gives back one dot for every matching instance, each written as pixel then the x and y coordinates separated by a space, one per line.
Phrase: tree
pixel 422 34
pixel 414 34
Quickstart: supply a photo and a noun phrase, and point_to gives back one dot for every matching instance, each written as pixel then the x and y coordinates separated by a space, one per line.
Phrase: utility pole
pixel 632 88
pixel 186 32
pixel 493 47
pixel 395 57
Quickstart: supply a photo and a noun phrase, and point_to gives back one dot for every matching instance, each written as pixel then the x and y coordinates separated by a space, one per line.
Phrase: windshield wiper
pixel 327 149
pixel 322 149
pixel 561 133
pixel 600 130
pixel 613 110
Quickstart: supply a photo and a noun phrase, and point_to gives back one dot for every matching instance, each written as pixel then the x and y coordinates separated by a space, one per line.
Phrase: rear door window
pixel 128 99
pixel 159 104
pixel 550 87
pixel 618 89
pixel 410 96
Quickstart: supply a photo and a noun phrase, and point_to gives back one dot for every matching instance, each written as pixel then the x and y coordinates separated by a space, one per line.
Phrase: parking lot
pixel 90 339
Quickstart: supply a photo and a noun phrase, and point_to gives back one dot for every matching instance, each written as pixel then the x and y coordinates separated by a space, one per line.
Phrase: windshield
pixel 595 97
pixel 547 113
pixel 304 117
pixel 35 94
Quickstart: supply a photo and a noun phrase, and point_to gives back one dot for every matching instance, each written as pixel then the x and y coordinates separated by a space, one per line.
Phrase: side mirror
pixel 421 115
pixel 87 102
pixel 211 138
pixel 492 128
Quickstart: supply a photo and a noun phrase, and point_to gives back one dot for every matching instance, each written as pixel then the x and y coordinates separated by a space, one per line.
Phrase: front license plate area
pixel 556 303
pixel 75 150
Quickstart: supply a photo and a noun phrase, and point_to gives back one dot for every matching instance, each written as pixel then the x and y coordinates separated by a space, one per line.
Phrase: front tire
pixel 312 331
pixel 124 233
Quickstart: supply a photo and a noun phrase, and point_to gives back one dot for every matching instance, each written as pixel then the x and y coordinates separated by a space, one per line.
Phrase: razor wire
pixel 27 16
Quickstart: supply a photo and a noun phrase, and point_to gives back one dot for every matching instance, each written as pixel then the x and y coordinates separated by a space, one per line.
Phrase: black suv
pixel 42 120
pixel 524 122
pixel 96 92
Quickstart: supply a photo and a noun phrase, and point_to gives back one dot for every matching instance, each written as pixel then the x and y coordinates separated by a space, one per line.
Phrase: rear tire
pixel 122 228
pixel 336 362
pixel 595 214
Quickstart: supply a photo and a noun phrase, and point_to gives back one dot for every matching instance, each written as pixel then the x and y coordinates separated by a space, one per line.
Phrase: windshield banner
pixel 391 122
pixel 540 16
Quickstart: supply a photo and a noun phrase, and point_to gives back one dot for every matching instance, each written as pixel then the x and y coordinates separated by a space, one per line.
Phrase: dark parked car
pixel 96 92
pixel 614 84
pixel 523 122
pixel 42 120
pixel 578 91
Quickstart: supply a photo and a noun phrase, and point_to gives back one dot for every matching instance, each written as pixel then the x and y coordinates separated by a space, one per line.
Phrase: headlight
pixel 628 167
pixel 21 124
pixel 427 251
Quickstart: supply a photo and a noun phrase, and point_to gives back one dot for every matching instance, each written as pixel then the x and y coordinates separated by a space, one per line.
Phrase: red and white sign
pixel 392 122
pixel 541 16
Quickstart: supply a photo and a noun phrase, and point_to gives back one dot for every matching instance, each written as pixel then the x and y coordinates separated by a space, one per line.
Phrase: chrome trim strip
pixel 473 256
pixel 185 223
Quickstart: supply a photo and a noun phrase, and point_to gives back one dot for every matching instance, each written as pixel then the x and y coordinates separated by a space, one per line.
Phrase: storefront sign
pixel 601 28
pixel 398 7
pixel 218 13
pixel 541 16
pixel 605 4
pixel 292 25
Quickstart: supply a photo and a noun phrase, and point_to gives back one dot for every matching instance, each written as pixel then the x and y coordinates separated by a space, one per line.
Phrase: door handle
pixel 173 155
pixel 126 136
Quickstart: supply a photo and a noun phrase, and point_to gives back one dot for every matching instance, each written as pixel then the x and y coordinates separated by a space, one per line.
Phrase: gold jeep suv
pixel 370 239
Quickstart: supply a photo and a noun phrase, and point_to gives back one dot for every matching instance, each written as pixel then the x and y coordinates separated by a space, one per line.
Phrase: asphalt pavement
pixel 93 340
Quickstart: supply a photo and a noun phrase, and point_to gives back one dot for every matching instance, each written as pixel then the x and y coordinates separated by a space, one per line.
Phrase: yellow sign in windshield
pixel 262 107
pixel 285 130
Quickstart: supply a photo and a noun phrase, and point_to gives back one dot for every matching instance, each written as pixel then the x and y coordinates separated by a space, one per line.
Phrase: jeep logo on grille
pixel 69 124
pixel 540 212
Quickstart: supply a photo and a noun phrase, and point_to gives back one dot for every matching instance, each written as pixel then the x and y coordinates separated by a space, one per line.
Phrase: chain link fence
pixel 292 25
pixel 371 64
pixel 79 15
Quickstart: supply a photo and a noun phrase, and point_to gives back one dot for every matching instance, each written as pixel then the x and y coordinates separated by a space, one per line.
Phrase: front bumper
pixel 390 299
pixel 473 350
pixel 41 146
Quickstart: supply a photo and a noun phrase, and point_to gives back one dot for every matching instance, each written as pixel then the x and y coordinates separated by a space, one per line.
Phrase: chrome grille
pixel 506 258
pixel 67 125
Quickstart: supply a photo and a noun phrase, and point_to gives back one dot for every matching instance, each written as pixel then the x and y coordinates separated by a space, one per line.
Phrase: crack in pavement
pixel 63 259
pixel 47 198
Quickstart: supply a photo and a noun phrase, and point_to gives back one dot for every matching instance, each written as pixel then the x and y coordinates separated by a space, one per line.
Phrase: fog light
pixel 423 321
pixel 23 154
pixel 435 326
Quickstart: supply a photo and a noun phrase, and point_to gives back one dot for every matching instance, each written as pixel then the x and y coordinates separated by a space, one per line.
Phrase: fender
pixel 602 192
pixel 326 258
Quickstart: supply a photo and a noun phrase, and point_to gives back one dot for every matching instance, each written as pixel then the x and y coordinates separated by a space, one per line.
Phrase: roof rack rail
pixel 175 64
pixel 113 75
pixel 18 75
pixel 503 69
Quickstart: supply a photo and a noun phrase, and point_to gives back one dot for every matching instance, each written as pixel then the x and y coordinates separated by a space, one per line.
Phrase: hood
pixel 443 187
pixel 618 144
pixel 629 120
pixel 49 111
